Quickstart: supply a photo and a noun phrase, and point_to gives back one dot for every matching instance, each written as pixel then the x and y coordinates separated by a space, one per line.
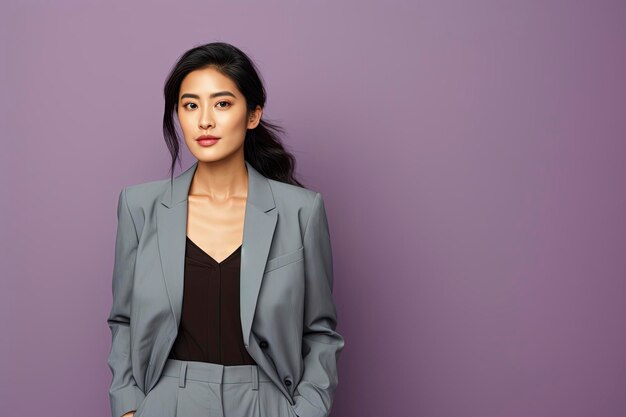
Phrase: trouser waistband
pixel 214 372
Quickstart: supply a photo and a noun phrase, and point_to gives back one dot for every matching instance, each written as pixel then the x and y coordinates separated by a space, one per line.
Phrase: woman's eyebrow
pixel 219 93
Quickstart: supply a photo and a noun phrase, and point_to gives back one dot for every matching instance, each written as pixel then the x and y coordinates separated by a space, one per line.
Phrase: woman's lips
pixel 207 141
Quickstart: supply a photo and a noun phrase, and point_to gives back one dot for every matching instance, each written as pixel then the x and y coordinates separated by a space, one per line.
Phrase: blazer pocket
pixel 284 259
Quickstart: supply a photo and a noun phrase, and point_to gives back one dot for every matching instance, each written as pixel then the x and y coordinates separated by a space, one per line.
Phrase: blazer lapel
pixel 258 231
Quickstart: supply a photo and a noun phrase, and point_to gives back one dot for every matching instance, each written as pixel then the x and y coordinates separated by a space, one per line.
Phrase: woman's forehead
pixel 208 82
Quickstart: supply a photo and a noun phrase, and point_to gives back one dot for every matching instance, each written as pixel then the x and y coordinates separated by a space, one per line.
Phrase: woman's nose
pixel 204 123
pixel 206 120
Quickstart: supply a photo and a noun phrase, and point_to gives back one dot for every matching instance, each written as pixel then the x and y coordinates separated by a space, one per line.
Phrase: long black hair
pixel 262 146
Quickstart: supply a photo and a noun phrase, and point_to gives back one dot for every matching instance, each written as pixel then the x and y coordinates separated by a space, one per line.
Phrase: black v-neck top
pixel 210 324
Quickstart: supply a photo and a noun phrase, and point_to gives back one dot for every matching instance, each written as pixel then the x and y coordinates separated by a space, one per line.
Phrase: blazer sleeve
pixel 321 344
pixel 124 394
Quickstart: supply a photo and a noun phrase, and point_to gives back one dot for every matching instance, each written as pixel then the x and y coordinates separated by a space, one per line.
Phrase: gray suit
pixel 286 289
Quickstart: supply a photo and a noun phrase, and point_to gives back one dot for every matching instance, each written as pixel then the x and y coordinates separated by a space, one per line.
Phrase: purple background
pixel 472 159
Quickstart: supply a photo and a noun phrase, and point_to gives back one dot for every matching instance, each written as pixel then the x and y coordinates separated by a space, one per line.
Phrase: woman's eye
pixel 226 102
pixel 185 105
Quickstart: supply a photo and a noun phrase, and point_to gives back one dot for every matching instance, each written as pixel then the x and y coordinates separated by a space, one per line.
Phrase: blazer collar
pixel 259 191
pixel 259 225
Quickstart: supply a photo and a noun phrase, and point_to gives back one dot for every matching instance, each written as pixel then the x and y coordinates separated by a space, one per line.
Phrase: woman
pixel 222 282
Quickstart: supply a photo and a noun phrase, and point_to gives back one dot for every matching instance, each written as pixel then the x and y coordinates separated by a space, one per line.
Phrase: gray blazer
pixel 286 289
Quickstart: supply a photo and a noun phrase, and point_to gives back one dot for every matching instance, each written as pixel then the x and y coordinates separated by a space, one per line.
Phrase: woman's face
pixel 209 103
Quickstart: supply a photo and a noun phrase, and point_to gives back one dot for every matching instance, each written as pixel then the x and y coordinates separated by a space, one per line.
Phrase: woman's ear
pixel 255 117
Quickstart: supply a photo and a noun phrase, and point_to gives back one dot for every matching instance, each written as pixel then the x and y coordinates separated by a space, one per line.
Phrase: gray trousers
pixel 202 389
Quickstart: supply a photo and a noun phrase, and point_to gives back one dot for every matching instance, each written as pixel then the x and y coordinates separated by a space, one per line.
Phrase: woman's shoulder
pixel 291 193
pixel 146 192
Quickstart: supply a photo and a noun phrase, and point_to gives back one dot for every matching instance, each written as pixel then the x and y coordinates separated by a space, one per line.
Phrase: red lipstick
pixel 207 140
